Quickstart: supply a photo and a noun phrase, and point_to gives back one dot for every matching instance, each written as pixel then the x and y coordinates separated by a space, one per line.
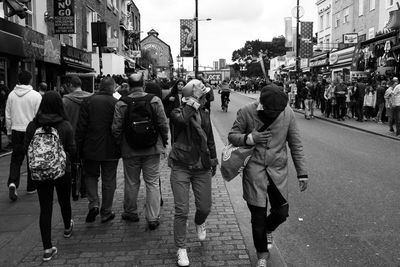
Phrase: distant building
pixel 324 25
pixel 216 64
pixel 222 63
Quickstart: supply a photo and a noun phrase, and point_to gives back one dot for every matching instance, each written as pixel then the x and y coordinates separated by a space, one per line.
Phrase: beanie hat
pixel 273 100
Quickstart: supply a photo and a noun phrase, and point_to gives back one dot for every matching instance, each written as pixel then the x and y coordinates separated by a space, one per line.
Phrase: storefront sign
pixel 214 76
pixel 320 62
pixel 52 50
pixel 64 16
pixel 304 63
pixel 71 54
pixel 333 58
pixel 350 38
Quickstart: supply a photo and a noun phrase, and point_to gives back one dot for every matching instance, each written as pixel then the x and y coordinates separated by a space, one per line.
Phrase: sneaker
pixel 270 240
pixel 49 253
pixel 153 225
pixel 12 192
pixel 91 217
pixel 132 217
pixel 182 257
pixel 201 231
pixel 68 232
pixel 31 192
pixel 262 263
pixel 108 218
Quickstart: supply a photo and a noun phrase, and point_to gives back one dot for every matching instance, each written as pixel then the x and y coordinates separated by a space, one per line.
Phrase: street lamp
pixel 196 55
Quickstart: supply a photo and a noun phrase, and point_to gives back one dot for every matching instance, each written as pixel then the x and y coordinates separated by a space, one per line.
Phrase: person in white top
pixel 22 105
pixel 396 108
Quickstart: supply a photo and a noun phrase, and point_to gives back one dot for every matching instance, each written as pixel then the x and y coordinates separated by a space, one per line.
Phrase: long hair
pixel 52 104
pixel 174 89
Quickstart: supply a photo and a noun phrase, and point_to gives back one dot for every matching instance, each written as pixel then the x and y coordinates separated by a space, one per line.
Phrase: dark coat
pixel 171 105
pixel 72 104
pixel 63 128
pixel 93 135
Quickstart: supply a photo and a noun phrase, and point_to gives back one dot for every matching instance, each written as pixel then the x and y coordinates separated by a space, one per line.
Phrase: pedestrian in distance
pixel 3 100
pixel 99 150
pixel 193 162
pixel 328 96
pixel 141 130
pixel 22 105
pixel 309 100
pixel 380 100
pixel 269 125
pixel 50 144
pixel 340 99
pixel 359 94
pixel 389 102
pixel 42 88
pixel 396 108
pixel 72 104
pixel 369 102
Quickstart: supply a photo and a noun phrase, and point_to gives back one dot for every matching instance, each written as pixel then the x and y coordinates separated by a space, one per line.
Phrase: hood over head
pixel 77 96
pixel 48 119
pixel 273 100
pixel 21 89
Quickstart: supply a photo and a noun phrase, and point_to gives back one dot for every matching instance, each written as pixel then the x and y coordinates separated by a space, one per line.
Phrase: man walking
pixel 309 101
pixel 396 108
pixel 140 127
pixel 98 149
pixel 72 103
pixel 389 102
pixel 268 125
pixel 22 105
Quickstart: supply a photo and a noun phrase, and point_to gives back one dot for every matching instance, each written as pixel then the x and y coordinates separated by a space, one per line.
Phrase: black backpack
pixel 140 126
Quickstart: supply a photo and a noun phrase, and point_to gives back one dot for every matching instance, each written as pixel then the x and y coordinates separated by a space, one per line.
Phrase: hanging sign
pixel 64 16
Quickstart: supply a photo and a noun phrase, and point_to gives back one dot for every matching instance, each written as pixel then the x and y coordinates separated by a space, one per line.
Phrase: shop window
pixel 321 22
pixel 361 7
pixel 328 20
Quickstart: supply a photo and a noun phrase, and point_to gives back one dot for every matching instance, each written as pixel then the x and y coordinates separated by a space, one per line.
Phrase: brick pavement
pixel 120 243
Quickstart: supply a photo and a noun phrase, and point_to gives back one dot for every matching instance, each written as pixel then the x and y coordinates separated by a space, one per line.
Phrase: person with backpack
pixel 72 104
pixel 21 107
pixel 98 149
pixel 141 129
pixel 50 146
pixel 193 162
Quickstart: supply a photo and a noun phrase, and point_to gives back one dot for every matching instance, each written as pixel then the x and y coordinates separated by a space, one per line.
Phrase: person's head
pixel 154 89
pixel 52 104
pixel 194 85
pixel 42 87
pixel 384 83
pixel 136 80
pixel 186 29
pixel 178 86
pixel 395 81
pixel 273 100
pixel 76 83
pixel 24 77
pixel 123 90
pixel 107 85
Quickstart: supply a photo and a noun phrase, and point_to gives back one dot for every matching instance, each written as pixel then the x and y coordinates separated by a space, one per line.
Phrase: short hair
pixel 136 80
pixel 24 77
pixel 76 81
pixel 107 84
pixel 43 86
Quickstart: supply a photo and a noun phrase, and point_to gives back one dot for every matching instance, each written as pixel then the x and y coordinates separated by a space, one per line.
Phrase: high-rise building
pixel 216 64
pixel 222 63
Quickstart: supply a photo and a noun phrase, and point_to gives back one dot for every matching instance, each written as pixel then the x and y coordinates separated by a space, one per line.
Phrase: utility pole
pixel 196 55
pixel 298 38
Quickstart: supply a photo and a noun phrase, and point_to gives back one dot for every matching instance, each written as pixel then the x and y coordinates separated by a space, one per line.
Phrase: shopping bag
pixel 234 159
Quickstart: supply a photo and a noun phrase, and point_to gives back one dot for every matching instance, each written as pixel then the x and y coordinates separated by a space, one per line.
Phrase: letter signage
pixel 64 16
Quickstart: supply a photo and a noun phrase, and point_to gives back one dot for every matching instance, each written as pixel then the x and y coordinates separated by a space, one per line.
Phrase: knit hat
pixel 273 100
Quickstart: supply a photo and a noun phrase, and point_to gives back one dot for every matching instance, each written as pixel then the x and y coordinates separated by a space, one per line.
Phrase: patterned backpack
pixel 46 155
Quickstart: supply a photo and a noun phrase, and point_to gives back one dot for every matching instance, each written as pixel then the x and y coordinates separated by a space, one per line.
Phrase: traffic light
pixel 17 7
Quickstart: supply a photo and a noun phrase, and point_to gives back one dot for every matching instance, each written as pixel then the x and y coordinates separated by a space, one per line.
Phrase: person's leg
pixel 17 157
pixel 151 176
pixel 312 103
pixel 397 119
pixel 108 186
pixel 63 188
pixel 132 169
pixel 307 108
pixel 259 230
pixel 45 194
pixel 380 111
pixel 180 184
pixel 201 186
pixel 279 207
pixel 92 171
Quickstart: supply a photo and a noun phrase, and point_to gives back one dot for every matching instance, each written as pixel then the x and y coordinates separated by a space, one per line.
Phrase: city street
pixel 350 214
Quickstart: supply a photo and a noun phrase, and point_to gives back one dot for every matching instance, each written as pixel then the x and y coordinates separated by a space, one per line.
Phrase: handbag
pixel 234 159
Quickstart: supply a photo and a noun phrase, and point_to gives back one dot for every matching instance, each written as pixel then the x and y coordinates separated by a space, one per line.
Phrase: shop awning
pixel 380 39
pixel 78 67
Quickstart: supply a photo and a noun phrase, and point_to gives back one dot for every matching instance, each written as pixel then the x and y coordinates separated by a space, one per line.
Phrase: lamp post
pixel 178 60
pixel 196 48
pixel 297 37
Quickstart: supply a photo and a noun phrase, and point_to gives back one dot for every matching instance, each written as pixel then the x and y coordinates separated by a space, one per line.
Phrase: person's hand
pixel 213 171
pixel 172 98
pixel 261 137
pixel 303 185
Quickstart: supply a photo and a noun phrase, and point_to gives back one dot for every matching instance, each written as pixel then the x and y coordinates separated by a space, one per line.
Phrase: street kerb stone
pixel 120 243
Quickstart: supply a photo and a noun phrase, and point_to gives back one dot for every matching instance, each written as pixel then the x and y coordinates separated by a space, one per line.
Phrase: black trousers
pixel 45 194
pixel 328 107
pixel 340 108
pixel 262 224
pixel 17 158
pixel 360 109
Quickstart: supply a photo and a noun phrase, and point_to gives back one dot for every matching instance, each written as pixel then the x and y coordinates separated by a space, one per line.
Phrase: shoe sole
pixel 31 192
pixel 11 194
pixel 52 255
pixel 110 218
pixel 70 234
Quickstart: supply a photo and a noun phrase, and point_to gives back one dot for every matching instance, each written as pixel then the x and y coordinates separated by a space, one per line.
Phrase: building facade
pixel 222 63
pixel 324 25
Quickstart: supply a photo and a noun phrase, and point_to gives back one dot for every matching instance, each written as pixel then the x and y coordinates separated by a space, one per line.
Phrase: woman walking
pixel 51 120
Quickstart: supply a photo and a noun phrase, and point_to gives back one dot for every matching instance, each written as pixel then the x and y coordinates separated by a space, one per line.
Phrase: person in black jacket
pixel 51 113
pixel 99 149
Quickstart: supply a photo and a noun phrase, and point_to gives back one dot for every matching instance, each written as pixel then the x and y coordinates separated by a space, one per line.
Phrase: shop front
pixel 77 62
pixel 340 63
pixel 319 66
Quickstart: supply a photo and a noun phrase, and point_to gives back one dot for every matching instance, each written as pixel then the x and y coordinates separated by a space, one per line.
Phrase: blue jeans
pixel 150 166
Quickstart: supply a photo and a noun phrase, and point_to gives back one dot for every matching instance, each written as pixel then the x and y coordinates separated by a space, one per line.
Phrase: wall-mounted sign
pixel 71 54
pixel 333 58
pixel 64 16
pixel 321 62
pixel 350 38
pixel 324 9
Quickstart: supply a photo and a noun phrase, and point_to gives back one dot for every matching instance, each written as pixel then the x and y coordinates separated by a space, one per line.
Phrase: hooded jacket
pixel 72 103
pixel 22 104
pixel 63 128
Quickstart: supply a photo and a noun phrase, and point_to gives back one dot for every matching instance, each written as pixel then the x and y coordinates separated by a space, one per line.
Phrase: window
pixel 29 18
pixel 360 7
pixel 346 15
pixel 328 20
pixel 371 33
pixel 91 16
pixel 321 22
pixel 337 20
pixel 371 5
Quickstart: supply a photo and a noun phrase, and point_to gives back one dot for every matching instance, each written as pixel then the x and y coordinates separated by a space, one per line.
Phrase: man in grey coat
pixel 265 175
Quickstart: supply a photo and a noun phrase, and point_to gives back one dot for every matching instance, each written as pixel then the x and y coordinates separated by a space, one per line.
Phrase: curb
pixel 5 154
pixel 342 124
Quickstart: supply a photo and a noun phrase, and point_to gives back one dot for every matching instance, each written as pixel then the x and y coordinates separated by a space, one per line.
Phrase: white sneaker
pixel 12 192
pixel 270 240
pixel 262 263
pixel 182 257
pixel 201 231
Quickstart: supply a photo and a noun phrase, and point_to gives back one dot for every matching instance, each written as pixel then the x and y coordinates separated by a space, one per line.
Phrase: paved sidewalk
pixel 371 127
pixel 119 243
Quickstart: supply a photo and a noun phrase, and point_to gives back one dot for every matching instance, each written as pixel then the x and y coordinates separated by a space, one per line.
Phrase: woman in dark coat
pixel 51 113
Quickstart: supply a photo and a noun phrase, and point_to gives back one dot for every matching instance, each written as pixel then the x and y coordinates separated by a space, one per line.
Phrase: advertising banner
pixel 64 16
pixel 350 38
pixel 187 31
pixel 288 32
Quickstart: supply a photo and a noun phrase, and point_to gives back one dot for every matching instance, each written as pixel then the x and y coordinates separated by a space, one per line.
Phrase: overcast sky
pixel 233 22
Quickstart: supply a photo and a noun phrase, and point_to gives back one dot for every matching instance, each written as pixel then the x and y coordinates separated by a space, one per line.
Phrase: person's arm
pixel 238 135
pixel 118 121
pixel 181 116
pixel 8 116
pixel 30 131
pixel 70 145
pixel 211 142
pixel 162 124
pixel 82 125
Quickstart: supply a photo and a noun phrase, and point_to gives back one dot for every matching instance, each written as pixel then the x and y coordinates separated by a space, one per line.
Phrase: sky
pixel 233 23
